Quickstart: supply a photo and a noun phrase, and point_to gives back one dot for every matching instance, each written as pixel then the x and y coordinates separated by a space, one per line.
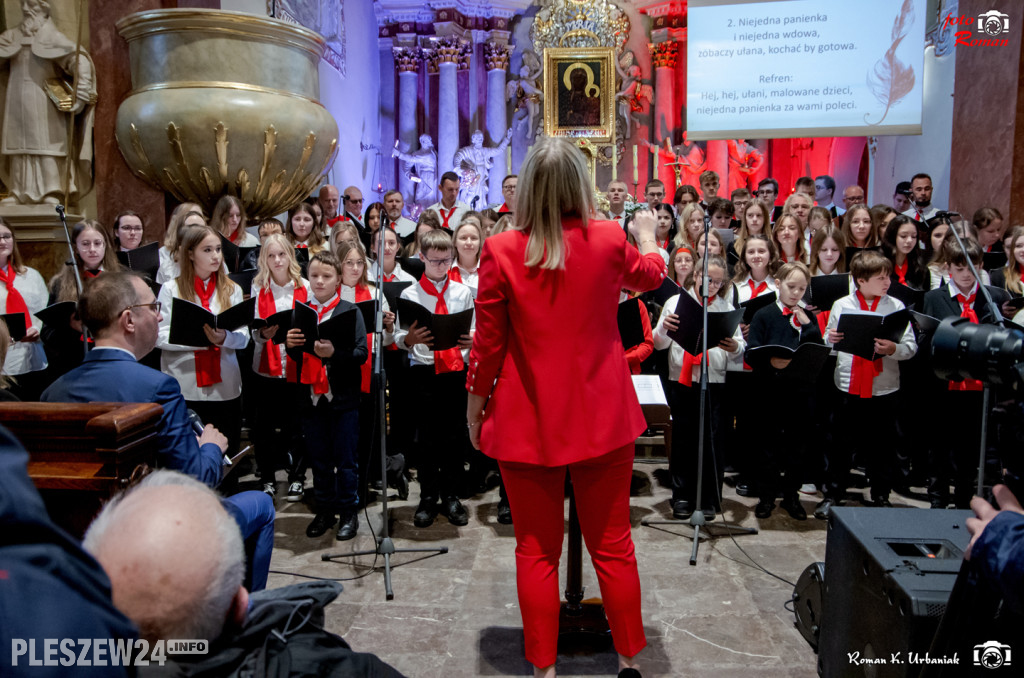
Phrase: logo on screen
pixel 994 22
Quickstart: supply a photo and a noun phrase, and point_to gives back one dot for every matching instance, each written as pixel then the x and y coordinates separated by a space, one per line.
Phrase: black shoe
pixel 681 509
pixel 504 512
pixel 321 523
pixel 629 673
pixel 402 485
pixel 824 507
pixel 709 515
pixel 455 511
pixel 939 504
pixel 377 485
pixel 348 528
pixel 743 489
pixel 794 508
pixel 425 512
pixel 764 509
pixel 881 502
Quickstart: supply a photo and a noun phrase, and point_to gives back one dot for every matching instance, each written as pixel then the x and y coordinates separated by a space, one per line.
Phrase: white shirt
pixel 620 219
pixel 26 356
pixel 470 279
pixel 169 269
pixel 937 278
pixel 399 273
pixel 921 214
pixel 717 357
pixel 247 240
pixel 889 380
pixel 744 294
pixel 456 216
pixel 283 300
pixel 349 294
pixel 404 227
pixel 179 361
pixel 457 298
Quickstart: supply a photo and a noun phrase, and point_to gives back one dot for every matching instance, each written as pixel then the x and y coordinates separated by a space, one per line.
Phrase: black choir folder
pixel 806 361
pixel 446 328
pixel 339 329
pixel 860 329
pixel 826 290
pixel 143 259
pixel 188 318
pixel 631 328
pixel 58 314
pixel 752 306
pixel 15 325
pixel 721 324
pixel 393 290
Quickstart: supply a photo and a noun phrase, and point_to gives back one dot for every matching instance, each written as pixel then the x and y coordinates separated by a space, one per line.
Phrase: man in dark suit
pixel 123 316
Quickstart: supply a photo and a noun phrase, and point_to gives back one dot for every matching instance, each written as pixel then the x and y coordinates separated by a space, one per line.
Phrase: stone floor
pixel 456 615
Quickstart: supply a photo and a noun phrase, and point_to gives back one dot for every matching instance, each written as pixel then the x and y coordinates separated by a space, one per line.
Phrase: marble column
pixel 447 55
pixel 407 63
pixel 496 57
pixel 663 57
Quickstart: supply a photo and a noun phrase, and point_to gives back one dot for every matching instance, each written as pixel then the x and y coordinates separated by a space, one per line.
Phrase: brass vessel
pixel 225 102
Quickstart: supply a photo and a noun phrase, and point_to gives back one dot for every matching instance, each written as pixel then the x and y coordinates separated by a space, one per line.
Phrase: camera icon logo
pixel 994 22
pixel 992 655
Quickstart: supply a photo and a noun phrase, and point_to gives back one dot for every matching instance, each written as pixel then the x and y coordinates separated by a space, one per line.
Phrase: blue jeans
pixel 254 513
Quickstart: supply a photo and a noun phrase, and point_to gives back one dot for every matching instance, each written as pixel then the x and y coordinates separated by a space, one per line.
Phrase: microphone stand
pixel 384 546
pixel 997 316
pixel 697 517
pixel 74 267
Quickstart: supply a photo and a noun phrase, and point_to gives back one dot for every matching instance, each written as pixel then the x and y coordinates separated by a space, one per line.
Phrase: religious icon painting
pixel 579 93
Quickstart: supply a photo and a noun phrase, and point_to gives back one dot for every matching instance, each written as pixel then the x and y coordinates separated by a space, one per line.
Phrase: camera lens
pixel 963 350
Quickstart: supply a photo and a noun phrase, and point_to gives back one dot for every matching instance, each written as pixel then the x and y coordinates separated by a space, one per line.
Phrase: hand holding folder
pixel 860 329
pixel 188 320
pixel 446 328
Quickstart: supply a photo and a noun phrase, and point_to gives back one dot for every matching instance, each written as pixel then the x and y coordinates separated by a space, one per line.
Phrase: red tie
pixel 207 359
pixel 864 371
pixel 454 274
pixel 270 359
pixel 15 302
pixel 901 272
pixel 756 290
pixel 786 311
pixel 446 217
pixel 451 359
pixel 967 304
pixel 301 246
pixel 313 370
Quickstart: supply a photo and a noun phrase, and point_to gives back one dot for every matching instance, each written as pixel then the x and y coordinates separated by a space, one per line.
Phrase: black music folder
pixel 752 306
pixel 908 295
pixel 339 329
pixel 143 259
pixel 860 330
pixel 721 324
pixel 826 290
pixel 666 291
pixel 188 318
pixel 446 328
pixel 369 310
pixel 924 325
pixel 631 328
pixel 58 314
pixel 283 321
pixel 806 360
pixel 393 290
pixel 15 325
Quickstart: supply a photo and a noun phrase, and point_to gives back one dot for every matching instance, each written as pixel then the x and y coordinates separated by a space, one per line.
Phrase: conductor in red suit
pixel 550 389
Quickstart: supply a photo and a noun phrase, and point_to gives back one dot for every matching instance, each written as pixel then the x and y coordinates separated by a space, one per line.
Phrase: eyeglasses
pixel 355 200
pixel 4 237
pixel 439 262
pixel 156 306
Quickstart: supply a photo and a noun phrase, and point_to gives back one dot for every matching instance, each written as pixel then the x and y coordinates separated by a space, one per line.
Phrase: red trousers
pixel 537 497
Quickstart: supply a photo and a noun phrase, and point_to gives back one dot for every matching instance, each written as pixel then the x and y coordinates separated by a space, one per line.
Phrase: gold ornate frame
pixel 594 118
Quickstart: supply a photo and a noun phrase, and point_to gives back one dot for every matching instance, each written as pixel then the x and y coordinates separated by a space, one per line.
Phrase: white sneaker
pixel 295 491
pixel 271 489
pixel 808 488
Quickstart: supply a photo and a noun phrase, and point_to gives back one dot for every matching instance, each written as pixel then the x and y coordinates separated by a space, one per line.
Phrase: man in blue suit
pixel 123 316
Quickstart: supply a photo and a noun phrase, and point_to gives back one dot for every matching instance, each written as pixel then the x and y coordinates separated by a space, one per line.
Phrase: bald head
pixel 328 200
pixel 174 557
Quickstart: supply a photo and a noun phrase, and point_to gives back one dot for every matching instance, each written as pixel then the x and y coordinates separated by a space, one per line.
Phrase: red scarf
pixel 454 274
pixel 754 291
pixel 967 303
pixel 363 294
pixel 207 359
pixel 236 235
pixel 504 209
pixel 301 246
pixel 15 302
pixel 446 217
pixel 451 359
pixel 901 272
pixel 270 358
pixel 92 274
pixel 864 371
pixel 314 372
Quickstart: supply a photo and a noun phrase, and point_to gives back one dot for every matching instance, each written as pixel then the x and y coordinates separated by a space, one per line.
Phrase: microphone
pixel 947 215
pixel 60 210
pixel 195 422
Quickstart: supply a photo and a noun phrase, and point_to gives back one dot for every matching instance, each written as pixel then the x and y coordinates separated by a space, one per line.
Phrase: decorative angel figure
pixel 421 167
pixel 744 161
pixel 528 94
pixel 631 92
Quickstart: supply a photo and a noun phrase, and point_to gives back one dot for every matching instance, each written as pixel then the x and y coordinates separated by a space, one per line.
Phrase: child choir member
pixel 754 220
pixel 22 290
pixel 955 448
pixel 901 245
pixel 184 215
pixel 859 228
pixel 784 323
pixel 665 232
pixel 330 411
pixel 302 230
pixel 788 235
pixel 393 271
pixel 128 230
pixel 229 219
pixel 691 225
pixel 1010 277
pixel 278 286
pixel 438 380
pixel 209 377
pixel 988 222
pixel 828 251
pixel 684 396
pixel 469 238
pixel 868 387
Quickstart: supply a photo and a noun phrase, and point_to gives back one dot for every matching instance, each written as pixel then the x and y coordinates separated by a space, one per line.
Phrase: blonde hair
pixel 263 275
pixel 343 227
pixel 480 233
pixel 504 223
pixel 1011 272
pixel 190 240
pixel 220 214
pixel 553 181
pixel 174 224
pixel 801 247
pixel 683 235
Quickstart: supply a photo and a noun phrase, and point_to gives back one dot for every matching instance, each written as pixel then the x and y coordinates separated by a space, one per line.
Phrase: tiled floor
pixel 456 615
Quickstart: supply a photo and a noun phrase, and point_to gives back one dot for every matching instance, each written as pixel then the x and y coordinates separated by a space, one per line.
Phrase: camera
pixel 992 654
pixel 989 353
pixel 994 22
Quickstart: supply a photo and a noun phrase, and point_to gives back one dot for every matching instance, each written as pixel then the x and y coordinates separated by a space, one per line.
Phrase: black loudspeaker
pixel 807 602
pixel 888 576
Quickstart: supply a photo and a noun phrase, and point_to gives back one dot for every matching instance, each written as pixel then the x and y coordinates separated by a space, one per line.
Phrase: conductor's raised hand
pixel 216 337
pixel 294 338
pixel 643 224
pixel 324 348
pixel 419 335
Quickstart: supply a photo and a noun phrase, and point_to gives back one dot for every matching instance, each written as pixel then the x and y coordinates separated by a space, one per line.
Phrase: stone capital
pixel 496 56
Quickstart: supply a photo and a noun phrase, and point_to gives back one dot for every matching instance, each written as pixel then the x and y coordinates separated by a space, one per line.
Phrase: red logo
pixel 989 27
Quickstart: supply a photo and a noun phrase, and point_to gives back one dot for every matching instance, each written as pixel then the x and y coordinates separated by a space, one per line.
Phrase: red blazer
pixel 641 352
pixel 547 348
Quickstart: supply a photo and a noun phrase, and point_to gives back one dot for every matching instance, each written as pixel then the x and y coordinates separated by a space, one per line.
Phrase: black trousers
pixel 867 427
pixel 685 404
pixel 441 422
pixel 277 433
pixel 783 458
pixel 954 453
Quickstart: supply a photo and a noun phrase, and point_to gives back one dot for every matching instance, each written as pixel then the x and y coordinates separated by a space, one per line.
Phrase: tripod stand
pixel 697 520
pixel 384 545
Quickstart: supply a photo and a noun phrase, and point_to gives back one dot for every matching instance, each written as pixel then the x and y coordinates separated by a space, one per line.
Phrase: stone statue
pixel 631 91
pixel 421 167
pixel 744 161
pixel 528 95
pixel 473 165
pixel 41 112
